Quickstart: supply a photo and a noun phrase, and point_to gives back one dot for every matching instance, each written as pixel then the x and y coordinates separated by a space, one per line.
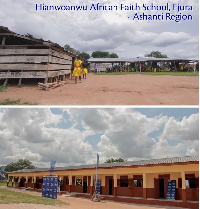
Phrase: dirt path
pixel 113 90
pixel 79 203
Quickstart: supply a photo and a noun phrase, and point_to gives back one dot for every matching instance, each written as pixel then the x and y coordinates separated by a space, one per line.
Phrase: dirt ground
pixel 80 203
pixel 113 90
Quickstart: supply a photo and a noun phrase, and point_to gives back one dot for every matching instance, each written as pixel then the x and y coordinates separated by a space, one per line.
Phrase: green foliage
pixel 19 165
pixel 113 55
pixel 70 49
pixel 4 87
pixel 84 55
pixel 3 29
pixel 152 73
pixel 20 85
pixel 156 54
pixel 112 160
pixel 10 102
pixel 16 102
pixel 3 183
pixel 100 54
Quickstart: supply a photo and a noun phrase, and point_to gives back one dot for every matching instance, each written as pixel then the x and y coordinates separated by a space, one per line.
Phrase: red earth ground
pixel 127 89
pixel 79 203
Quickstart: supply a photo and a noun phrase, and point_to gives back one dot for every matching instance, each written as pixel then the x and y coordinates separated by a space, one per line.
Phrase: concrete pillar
pixel 26 182
pixel 70 183
pixel 13 179
pixel 8 181
pixel 33 182
pixel 144 186
pixel 184 198
pixel 115 185
pixel 91 185
pixel 19 180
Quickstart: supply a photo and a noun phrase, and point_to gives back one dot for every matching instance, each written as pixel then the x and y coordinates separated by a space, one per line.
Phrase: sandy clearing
pixel 113 90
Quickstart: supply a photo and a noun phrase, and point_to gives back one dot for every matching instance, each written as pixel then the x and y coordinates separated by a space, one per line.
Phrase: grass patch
pixel 152 73
pixel 173 73
pixel 4 183
pixel 16 102
pixel 20 85
pixel 7 197
pixel 3 88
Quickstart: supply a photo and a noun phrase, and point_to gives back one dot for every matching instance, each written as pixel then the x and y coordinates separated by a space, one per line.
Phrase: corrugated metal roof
pixel 121 164
pixel 132 60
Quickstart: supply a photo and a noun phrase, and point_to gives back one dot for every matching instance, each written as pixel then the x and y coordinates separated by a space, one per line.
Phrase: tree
pixel 156 54
pixel 84 55
pixel 19 165
pixel 70 49
pixel 100 54
pixel 111 160
pixel 113 55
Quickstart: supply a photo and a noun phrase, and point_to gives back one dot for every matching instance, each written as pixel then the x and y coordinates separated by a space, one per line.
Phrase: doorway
pixel 110 186
pixel 37 183
pixel 84 185
pixel 161 188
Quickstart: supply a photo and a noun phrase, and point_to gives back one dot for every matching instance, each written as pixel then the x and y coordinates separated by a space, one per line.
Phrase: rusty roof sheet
pixel 120 164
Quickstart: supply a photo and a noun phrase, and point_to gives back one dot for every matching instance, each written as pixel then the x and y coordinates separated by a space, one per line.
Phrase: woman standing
pixel 77 69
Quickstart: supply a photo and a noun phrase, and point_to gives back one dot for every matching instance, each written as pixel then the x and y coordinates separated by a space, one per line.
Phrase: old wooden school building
pixel 135 181
pixel 22 56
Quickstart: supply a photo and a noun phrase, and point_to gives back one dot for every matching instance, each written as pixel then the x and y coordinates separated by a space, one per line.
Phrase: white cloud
pixel 186 129
pixel 37 134
pixel 103 30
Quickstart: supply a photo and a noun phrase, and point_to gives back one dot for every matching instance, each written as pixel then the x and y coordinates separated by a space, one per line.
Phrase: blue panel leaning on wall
pixel 49 187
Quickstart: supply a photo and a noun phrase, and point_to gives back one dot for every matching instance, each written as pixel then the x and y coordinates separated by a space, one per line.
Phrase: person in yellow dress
pixel 77 69
pixel 84 69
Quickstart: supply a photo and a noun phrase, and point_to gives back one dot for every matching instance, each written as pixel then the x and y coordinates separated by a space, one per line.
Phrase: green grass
pixel 152 73
pixel 16 102
pixel 4 183
pixel 173 73
pixel 7 197
pixel 3 88
pixel 20 85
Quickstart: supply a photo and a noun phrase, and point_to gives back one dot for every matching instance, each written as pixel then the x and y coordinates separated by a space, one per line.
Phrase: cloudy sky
pixel 73 136
pixel 110 31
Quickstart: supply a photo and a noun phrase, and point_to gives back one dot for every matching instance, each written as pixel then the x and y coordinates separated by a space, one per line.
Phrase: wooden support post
pixel 20 81
pixel 174 65
pixel 6 81
pixel 4 41
pixel 45 80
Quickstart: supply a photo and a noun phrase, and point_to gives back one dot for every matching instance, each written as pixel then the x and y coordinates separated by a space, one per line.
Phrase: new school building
pixel 142 181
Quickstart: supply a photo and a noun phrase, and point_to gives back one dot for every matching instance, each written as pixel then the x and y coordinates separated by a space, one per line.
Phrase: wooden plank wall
pixel 25 59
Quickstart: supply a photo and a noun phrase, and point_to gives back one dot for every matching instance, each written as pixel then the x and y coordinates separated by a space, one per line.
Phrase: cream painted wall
pixel 150 179
pixel 151 172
